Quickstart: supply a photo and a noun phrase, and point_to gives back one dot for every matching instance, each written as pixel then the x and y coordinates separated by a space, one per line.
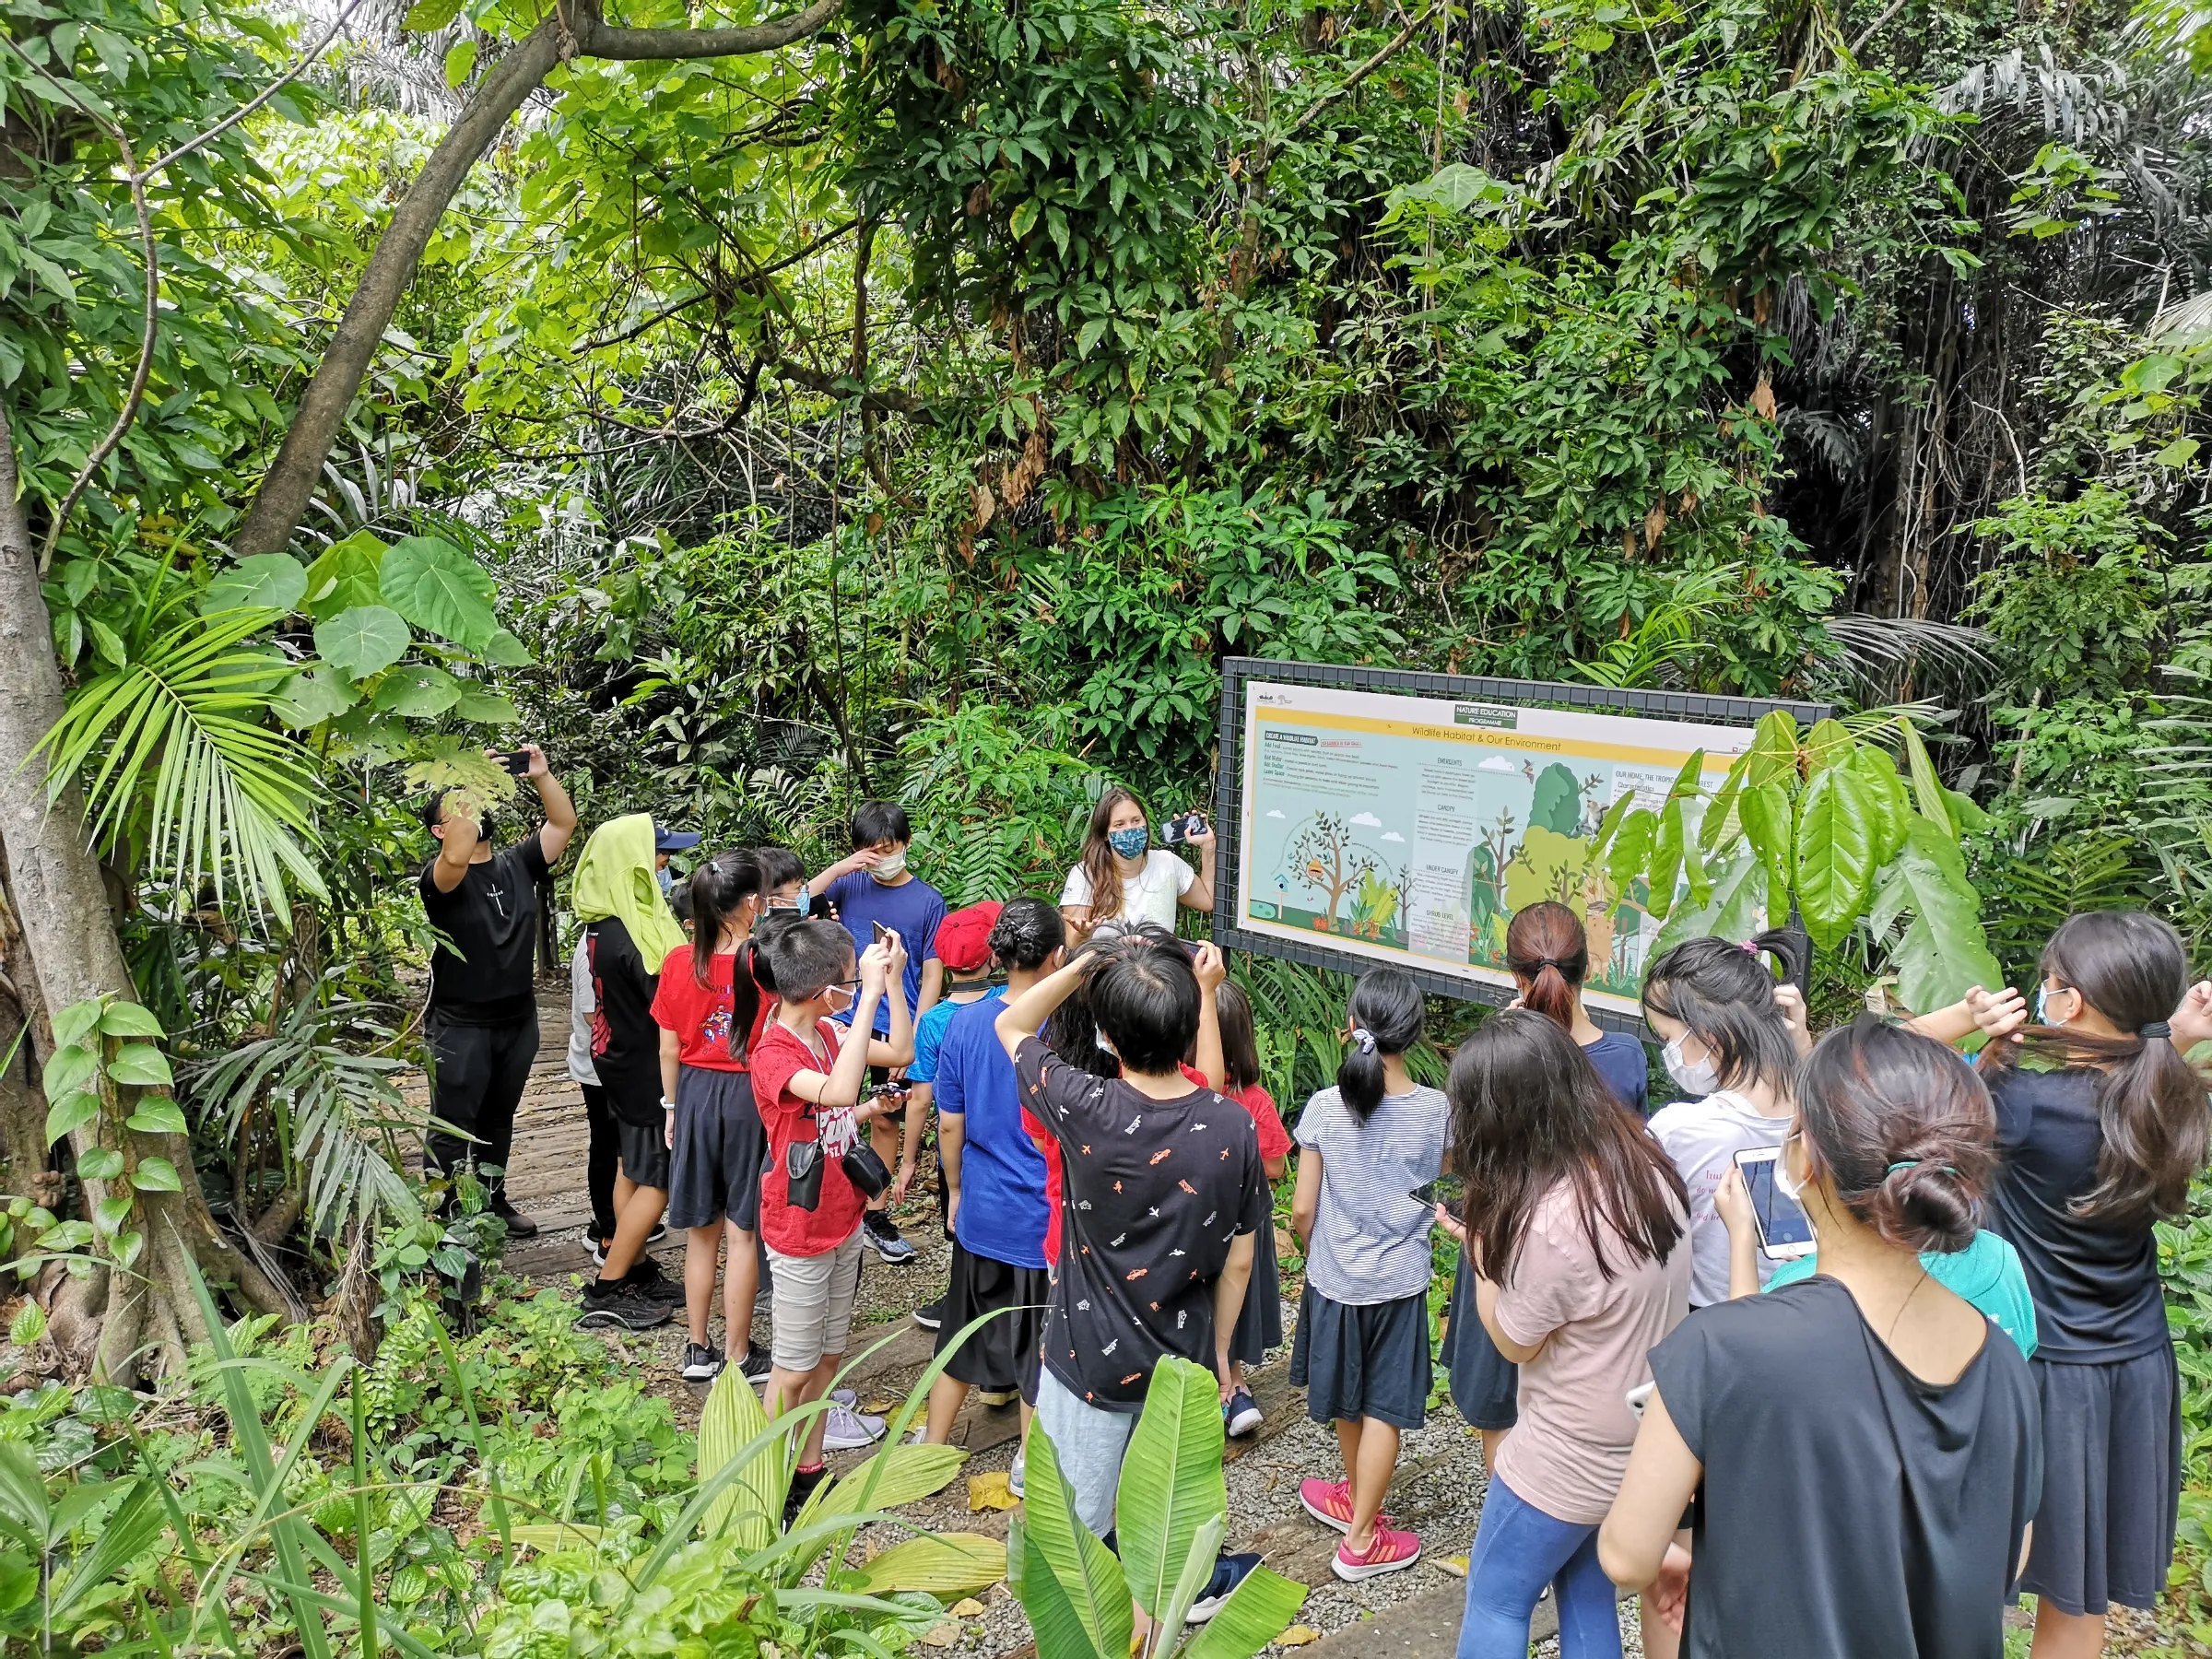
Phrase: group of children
pixel 1828 1454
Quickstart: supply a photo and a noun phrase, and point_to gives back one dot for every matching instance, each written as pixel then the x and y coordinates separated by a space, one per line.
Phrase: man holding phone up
pixel 482 1025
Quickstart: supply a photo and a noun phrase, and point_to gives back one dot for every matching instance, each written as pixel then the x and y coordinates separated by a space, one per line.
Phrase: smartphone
pixel 882 933
pixel 1639 1397
pixel 517 763
pixel 884 1092
pixel 1444 1189
pixel 1784 1234
pixel 1177 831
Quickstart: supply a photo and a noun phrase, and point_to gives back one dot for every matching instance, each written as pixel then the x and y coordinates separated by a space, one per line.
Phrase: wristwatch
pixel 667 1105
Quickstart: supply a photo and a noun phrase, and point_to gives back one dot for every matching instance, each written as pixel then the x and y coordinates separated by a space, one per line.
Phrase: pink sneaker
pixel 1328 1501
pixel 1390 1552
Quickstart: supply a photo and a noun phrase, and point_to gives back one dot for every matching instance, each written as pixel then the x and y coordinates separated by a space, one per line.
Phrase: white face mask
pixel 890 868
pixel 1698 1076
pixel 1791 1186
pixel 1099 1037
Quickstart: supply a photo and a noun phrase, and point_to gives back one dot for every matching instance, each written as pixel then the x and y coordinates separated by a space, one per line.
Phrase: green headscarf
pixel 615 877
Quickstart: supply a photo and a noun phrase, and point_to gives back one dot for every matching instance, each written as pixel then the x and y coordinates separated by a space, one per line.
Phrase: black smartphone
pixel 1179 828
pixel 1444 1189
pixel 517 763
pixel 887 1090
pixel 882 933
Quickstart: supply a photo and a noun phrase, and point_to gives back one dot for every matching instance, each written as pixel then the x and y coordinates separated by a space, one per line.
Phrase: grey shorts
pixel 645 1153
pixel 814 1304
pixel 1089 1443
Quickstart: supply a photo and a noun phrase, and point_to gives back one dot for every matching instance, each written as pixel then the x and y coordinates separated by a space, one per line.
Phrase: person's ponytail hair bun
pixel 1924 1204
pixel 1904 1130
pixel 1547 945
pixel 1385 1015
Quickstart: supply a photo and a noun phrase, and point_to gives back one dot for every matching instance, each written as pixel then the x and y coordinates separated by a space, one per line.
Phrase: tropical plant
pixel 1170 1515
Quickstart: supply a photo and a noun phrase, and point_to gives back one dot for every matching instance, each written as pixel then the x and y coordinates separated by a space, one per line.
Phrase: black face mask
pixel 484 828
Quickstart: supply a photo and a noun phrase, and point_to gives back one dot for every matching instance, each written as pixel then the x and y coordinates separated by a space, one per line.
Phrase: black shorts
pixel 2111 1482
pixel 1486 1385
pixel 1004 1354
pixel 1364 1361
pixel 1260 1323
pixel 715 1171
pixel 644 1154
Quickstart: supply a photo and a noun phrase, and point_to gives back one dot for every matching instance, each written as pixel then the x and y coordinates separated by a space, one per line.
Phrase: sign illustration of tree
pixel 1326 859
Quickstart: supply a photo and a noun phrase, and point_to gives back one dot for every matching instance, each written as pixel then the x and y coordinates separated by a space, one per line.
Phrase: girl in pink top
pixel 1577 1234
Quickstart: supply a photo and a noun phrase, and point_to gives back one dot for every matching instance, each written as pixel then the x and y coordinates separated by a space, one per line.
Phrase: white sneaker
pixel 1016 1480
pixel 850 1431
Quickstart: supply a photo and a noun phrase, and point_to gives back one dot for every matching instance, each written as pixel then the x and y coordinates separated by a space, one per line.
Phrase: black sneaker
pixel 1229 1573
pixel 930 1316
pixel 519 1226
pixel 756 1363
pixel 803 1482
pixel 617 1303
pixel 653 1285
pixel 885 1239
pixel 701 1364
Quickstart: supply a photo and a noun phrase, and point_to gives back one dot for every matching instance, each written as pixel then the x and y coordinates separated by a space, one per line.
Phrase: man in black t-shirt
pixel 483 1018
pixel 1162 1191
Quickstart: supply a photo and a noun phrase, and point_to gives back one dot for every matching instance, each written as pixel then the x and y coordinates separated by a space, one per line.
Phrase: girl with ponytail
pixel 1361 1350
pixel 2101 1126
pixel 709 1007
pixel 1548 954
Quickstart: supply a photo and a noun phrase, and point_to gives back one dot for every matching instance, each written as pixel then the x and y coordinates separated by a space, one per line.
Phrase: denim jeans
pixel 1518 1550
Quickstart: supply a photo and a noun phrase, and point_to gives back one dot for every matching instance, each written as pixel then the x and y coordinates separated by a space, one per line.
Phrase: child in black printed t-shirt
pixel 1164 1189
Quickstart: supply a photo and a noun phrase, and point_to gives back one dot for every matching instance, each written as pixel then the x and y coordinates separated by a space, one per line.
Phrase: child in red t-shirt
pixel 1260 1324
pixel 709 1006
pixel 808 1089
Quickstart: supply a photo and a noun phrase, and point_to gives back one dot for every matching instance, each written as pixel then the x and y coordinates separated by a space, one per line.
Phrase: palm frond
pixel 340 1114
pixel 177 746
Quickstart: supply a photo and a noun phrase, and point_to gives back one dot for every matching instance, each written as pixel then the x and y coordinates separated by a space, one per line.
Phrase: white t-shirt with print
pixel 1151 897
pixel 1702 1138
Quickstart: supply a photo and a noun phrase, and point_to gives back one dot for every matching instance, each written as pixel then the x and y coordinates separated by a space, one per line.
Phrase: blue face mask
pixel 1129 843
pixel 667 880
pixel 2043 1005
pixel 805 900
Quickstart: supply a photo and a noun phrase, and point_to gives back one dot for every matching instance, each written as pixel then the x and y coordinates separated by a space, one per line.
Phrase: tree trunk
pixel 570 32
pixel 63 946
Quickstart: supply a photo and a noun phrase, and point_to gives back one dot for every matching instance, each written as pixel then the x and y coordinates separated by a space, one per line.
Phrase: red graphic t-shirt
pixel 779 1056
pixel 701 1015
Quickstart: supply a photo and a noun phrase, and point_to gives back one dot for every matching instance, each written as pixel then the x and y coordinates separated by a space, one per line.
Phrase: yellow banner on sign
pixel 1489 738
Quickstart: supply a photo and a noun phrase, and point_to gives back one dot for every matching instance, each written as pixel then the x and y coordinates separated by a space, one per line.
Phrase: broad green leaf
pixel 141 1064
pixel 69 1113
pixel 1610 823
pixel 1256 1612
pixel 156 1175
pixel 483 706
pixel 363 641
pixel 1764 810
pixel 1052 1615
pixel 1666 861
pixel 460 62
pixel 1830 743
pixel 751 1507
pixel 428 17
pixel 1690 779
pixel 1927 789
pixel 557 1534
pixel 1693 870
pixel 1891 808
pixel 1714 827
pixel 308 700
pixel 157 1115
pixel 1835 854
pixel 1084 1568
pixel 76 1022
pixel 71 1067
pixel 1943 953
pixel 100 1163
pixel 129 1020
pixel 942 1564
pixel 1632 847
pixel 505 651
pixel 416 691
pixel 1773 755
pixel 1969 817
pixel 1172 1481
pixel 1197 1572
pixel 126 1247
pixel 345 576
pixel 895 1476
pixel 274 582
pixel 440 589
pixel 110 1213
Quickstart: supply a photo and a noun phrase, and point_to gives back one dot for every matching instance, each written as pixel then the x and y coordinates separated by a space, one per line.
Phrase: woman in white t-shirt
pixel 1123 877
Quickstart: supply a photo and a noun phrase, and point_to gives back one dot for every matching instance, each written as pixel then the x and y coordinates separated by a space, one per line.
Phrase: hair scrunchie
pixel 2156 1029
pixel 1363 1039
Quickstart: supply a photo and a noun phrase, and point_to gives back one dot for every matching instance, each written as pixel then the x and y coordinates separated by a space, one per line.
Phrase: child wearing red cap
pixel 963 945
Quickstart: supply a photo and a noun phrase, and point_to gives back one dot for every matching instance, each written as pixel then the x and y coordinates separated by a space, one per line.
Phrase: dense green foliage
pixel 926 410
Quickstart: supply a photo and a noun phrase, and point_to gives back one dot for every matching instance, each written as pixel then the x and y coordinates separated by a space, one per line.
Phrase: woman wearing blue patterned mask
pixel 1123 877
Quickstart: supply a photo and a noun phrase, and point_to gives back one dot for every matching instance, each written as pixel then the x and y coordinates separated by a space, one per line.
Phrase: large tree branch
pixel 572 32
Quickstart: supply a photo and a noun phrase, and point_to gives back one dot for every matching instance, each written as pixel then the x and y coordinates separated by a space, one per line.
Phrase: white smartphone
pixel 1639 1397
pixel 1784 1234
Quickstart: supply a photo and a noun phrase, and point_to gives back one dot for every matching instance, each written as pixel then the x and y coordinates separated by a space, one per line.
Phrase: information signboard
pixel 1384 816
